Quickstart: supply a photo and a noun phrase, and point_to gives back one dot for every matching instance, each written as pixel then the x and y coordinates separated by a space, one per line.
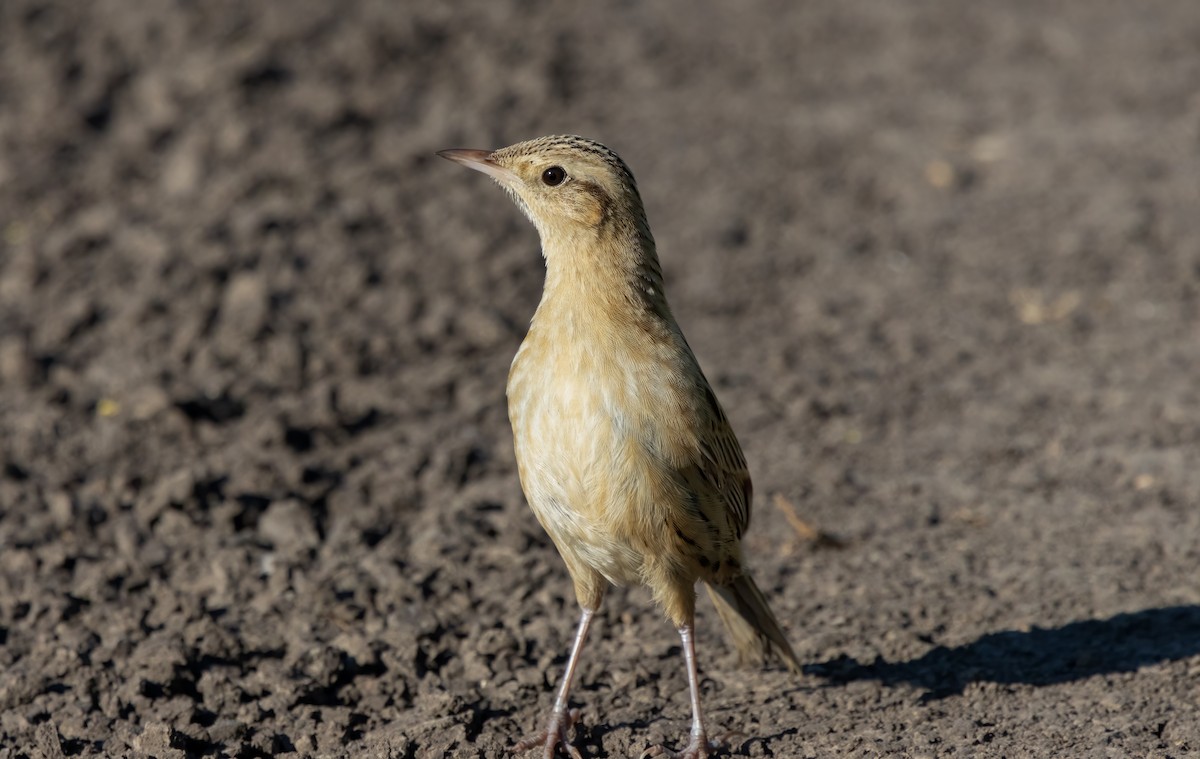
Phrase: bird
pixel 624 454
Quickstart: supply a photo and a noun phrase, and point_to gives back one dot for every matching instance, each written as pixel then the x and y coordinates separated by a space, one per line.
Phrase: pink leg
pixel 560 719
pixel 699 746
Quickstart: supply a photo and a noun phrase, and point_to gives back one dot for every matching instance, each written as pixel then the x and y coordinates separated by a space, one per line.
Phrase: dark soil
pixel 941 261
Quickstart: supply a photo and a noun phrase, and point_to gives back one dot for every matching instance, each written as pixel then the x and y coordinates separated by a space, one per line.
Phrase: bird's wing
pixel 721 467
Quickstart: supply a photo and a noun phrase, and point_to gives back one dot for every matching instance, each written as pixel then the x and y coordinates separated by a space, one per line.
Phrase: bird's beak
pixel 480 160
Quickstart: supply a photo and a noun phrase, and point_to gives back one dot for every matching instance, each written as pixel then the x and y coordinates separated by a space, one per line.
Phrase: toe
pixel 552 737
pixel 698 748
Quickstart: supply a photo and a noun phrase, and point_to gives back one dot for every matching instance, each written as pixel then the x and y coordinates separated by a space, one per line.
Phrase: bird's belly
pixel 586 469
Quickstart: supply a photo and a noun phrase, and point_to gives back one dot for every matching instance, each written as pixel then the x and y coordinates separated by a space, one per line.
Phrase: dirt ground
pixel 941 261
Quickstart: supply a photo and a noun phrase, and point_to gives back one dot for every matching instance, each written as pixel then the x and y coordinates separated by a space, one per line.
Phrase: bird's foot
pixel 700 747
pixel 553 736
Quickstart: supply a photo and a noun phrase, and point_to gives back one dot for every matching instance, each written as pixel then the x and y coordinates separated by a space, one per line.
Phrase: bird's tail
pixel 750 623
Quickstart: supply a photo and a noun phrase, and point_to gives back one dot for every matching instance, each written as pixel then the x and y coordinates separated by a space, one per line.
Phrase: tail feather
pixel 751 625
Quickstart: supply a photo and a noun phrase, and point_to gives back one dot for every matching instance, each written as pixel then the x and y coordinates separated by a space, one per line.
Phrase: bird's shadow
pixel 1075 651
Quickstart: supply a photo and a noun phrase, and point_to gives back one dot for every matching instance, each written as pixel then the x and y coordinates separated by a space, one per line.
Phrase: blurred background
pixel 941 262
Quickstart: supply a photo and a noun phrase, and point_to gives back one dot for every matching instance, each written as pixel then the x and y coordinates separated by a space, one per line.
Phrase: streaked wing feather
pixel 724 466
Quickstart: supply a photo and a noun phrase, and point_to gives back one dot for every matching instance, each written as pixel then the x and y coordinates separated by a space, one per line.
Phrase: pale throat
pixel 616 266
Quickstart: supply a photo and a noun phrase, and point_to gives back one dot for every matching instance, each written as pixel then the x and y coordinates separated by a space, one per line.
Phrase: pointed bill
pixel 480 160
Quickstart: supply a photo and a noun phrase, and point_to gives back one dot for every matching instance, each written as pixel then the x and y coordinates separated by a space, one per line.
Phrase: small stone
pixel 289 526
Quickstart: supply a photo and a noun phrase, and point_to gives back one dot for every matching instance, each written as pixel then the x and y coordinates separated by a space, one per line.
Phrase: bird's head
pixel 570 187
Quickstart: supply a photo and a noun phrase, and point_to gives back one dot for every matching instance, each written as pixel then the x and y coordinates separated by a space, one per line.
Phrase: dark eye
pixel 554 176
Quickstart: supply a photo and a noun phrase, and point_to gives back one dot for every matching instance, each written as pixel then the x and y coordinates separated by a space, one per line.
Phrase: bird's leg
pixel 699 746
pixel 699 743
pixel 560 719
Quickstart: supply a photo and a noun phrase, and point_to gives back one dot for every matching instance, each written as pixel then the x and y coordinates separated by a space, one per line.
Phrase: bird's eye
pixel 554 176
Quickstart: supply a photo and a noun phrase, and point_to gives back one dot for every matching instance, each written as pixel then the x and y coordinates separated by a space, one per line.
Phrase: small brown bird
pixel 624 453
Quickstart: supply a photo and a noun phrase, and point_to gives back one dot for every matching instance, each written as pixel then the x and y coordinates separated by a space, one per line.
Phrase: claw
pixel 700 747
pixel 553 736
pixel 693 751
